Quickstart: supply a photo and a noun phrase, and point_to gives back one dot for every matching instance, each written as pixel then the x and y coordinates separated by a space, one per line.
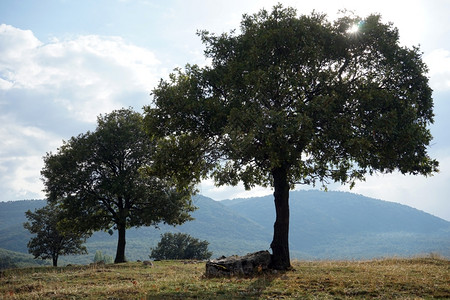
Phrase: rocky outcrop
pixel 252 263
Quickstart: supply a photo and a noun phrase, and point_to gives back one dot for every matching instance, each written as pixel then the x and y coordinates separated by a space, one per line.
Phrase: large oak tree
pixel 299 100
pixel 105 180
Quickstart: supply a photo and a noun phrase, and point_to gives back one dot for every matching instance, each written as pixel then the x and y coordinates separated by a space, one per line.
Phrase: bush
pixel 180 246
pixel 99 257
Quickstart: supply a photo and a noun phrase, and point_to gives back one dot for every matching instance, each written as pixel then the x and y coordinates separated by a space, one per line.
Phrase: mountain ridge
pixel 314 199
pixel 323 225
pixel 357 226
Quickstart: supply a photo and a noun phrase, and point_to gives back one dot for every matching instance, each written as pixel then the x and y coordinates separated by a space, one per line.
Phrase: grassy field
pixel 418 278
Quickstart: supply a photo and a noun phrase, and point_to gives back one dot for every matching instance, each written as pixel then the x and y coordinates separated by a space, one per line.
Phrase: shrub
pixel 99 257
pixel 180 246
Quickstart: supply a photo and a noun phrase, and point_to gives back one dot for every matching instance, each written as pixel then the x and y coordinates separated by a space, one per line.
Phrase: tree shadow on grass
pixel 234 287
pixel 257 287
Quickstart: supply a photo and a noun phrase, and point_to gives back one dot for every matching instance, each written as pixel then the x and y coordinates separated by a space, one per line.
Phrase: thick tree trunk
pixel 55 260
pixel 280 243
pixel 120 253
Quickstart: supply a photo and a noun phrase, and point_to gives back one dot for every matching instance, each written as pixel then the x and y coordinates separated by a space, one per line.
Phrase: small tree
pixel 103 181
pixel 108 259
pixel 99 257
pixel 50 241
pixel 180 246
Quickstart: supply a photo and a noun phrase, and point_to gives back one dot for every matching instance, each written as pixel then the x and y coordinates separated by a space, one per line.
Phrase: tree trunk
pixel 120 253
pixel 55 260
pixel 280 242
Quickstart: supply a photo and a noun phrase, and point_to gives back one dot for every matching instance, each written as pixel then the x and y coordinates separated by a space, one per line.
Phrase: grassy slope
pixel 388 278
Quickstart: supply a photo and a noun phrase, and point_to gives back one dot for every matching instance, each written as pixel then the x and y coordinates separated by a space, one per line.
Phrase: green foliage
pixel 298 100
pixel 103 180
pixel 303 93
pixel 180 246
pixel 50 241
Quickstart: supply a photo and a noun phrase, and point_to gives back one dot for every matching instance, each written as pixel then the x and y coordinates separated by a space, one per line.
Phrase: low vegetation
pixel 385 279
pixel 180 246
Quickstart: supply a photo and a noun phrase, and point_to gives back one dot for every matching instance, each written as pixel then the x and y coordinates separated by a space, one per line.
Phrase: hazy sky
pixel 64 62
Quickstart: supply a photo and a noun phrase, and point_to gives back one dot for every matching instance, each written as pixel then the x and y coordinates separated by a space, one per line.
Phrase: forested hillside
pixel 12 216
pixel 345 225
pixel 11 259
pixel 324 225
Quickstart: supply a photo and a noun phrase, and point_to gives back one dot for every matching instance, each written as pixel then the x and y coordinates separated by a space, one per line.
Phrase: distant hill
pixel 12 216
pixel 346 225
pixel 324 225
pixel 228 232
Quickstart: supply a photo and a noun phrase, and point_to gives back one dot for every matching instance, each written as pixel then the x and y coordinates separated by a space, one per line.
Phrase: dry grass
pixel 419 278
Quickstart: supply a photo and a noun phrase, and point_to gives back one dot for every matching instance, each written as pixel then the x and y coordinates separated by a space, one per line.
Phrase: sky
pixel 64 62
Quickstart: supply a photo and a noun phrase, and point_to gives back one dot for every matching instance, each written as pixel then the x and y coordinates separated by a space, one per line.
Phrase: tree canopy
pixel 293 99
pixel 103 180
pixel 50 241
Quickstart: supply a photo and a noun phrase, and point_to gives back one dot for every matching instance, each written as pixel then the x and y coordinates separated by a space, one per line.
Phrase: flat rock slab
pixel 252 263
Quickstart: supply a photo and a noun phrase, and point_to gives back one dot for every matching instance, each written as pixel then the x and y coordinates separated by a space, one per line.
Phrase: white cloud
pixel 438 62
pixel 52 91
pixel 21 151
pixel 89 71
pixel 208 189
pixel 5 84
pixel 20 140
pixel 15 43
pixel 20 178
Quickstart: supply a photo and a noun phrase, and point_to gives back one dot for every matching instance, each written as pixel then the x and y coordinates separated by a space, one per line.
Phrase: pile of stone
pixel 250 264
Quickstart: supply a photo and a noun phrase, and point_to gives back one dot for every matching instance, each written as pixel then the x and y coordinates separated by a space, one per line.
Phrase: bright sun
pixel 353 29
